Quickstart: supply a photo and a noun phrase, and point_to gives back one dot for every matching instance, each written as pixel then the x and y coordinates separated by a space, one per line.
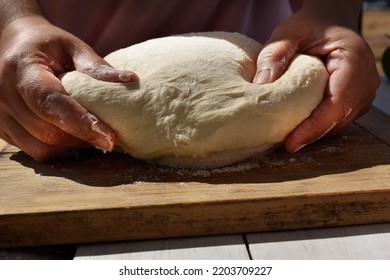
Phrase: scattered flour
pixel 240 167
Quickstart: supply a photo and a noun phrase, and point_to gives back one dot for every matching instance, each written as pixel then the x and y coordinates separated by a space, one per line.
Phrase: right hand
pixel 332 37
pixel 36 114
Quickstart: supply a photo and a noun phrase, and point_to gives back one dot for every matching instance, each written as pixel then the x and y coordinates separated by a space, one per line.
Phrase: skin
pixel 38 116
pixel 320 30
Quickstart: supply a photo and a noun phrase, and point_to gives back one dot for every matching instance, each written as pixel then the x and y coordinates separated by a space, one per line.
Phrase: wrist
pixel 11 10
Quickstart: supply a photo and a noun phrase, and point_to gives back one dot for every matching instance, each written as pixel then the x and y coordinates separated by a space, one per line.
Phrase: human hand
pixel 36 114
pixel 353 76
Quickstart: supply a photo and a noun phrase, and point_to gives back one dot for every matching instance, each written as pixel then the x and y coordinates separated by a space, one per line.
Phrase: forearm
pixel 14 9
pixel 344 12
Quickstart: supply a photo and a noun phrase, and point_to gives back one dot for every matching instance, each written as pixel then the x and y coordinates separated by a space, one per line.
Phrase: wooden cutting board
pixel 96 197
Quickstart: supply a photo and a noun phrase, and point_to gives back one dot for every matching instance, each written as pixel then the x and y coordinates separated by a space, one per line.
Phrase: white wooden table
pixel 352 242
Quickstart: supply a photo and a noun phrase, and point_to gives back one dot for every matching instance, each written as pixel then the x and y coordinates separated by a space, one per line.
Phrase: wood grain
pixel 377 123
pixel 3 144
pixel 96 197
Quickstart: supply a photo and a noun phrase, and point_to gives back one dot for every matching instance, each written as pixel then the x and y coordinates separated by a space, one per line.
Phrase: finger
pixel 45 96
pixel 33 147
pixel 273 60
pixel 6 138
pixel 323 119
pixel 344 101
pixel 49 133
pixel 88 62
pixel 349 119
pixel 40 129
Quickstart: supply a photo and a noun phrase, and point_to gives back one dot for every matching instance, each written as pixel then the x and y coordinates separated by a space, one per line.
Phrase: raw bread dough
pixel 195 105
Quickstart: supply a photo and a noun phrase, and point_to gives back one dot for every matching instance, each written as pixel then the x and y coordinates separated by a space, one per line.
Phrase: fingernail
pixel 298 148
pixel 322 135
pixel 262 77
pixel 128 77
pixel 104 142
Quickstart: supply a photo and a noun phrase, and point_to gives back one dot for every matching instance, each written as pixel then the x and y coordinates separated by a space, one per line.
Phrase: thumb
pixel 273 60
pixel 88 62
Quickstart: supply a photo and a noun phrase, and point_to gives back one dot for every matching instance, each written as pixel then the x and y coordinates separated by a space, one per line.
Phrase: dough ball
pixel 195 105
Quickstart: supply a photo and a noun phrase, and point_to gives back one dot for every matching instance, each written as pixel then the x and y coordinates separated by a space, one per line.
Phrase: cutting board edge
pixel 193 220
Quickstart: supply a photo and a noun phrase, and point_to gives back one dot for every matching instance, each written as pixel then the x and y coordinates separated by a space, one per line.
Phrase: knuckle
pixel 14 62
pixel 277 55
pixel 46 104
pixel 270 53
pixel 10 60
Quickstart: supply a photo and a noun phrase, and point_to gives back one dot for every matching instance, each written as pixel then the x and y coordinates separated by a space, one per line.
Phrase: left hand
pixel 349 60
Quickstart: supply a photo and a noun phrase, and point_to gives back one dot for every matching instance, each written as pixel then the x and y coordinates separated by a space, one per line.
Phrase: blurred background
pixel 375 27
pixel 376 4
